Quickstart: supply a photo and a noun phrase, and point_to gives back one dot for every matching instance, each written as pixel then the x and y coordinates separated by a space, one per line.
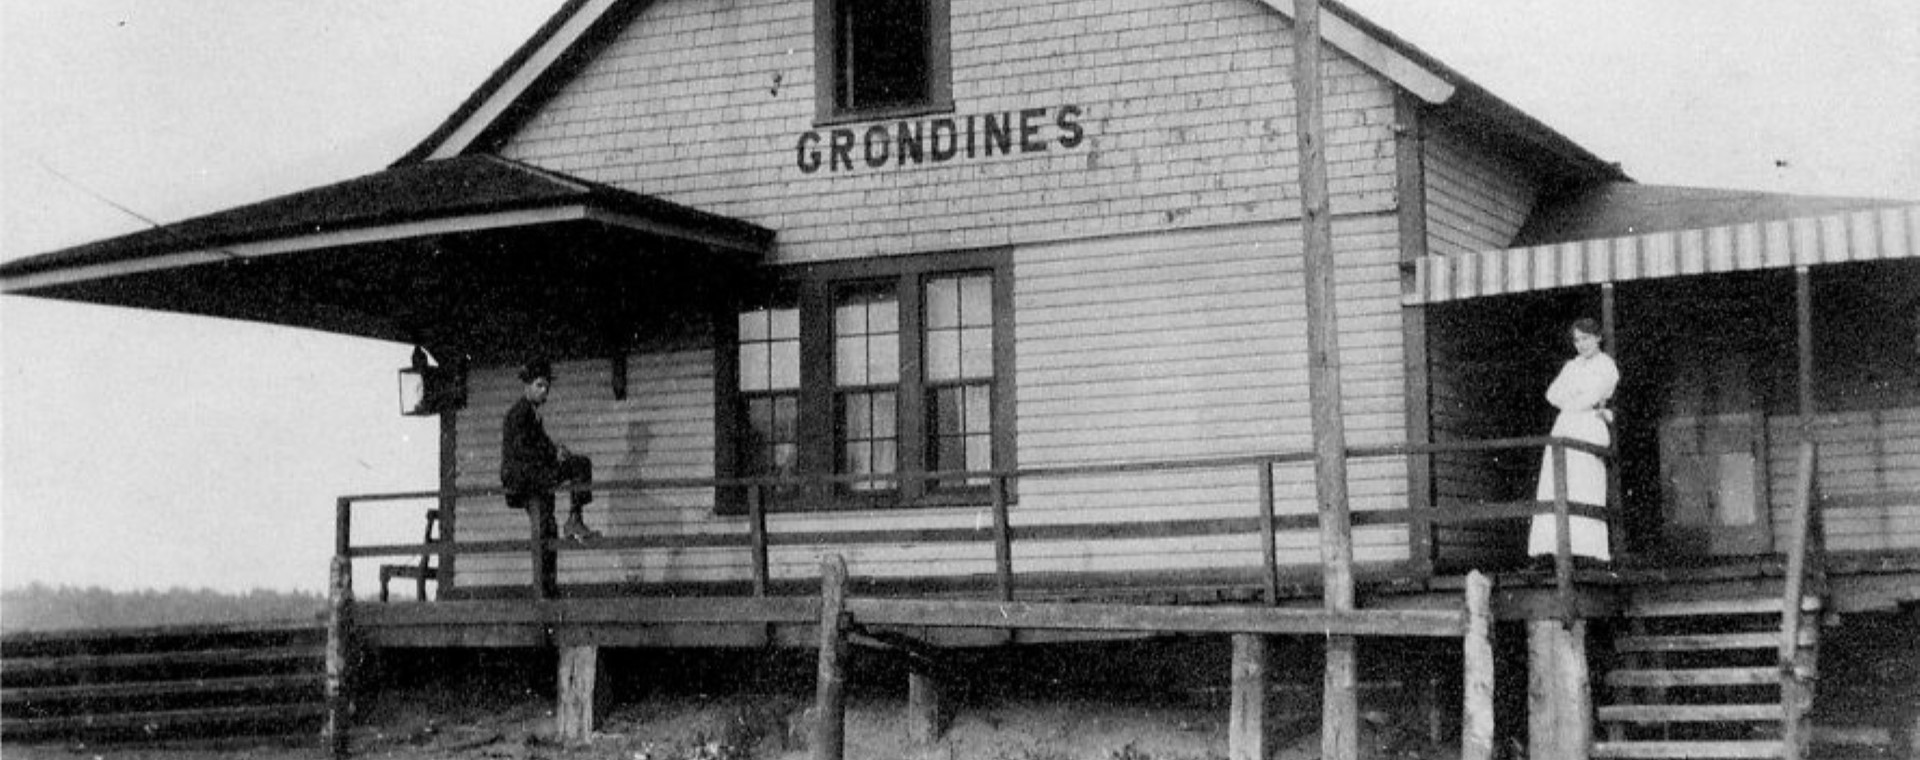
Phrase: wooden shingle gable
pixel 578 29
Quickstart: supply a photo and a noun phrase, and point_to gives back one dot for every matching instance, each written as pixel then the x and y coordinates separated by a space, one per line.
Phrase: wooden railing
pixel 1002 533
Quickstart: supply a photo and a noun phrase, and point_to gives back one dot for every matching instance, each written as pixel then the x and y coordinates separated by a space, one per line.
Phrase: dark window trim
pixel 815 285
pixel 826 79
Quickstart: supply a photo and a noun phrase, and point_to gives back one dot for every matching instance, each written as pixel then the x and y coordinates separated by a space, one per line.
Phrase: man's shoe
pixel 577 530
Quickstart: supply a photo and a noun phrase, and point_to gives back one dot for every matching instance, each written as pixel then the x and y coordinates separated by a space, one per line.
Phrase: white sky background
pixel 146 450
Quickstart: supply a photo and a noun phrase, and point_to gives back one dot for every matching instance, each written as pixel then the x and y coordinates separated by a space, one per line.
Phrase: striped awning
pixel 1882 233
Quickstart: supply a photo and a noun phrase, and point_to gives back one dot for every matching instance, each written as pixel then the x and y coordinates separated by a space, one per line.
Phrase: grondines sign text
pixel 948 138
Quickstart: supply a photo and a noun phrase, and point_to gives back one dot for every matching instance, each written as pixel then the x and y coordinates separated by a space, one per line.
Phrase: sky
pixel 148 450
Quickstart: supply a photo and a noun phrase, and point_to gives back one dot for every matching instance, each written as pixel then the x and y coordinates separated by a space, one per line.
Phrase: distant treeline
pixel 38 607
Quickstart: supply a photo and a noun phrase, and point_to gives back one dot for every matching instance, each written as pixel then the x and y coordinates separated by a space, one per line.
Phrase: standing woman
pixel 1580 392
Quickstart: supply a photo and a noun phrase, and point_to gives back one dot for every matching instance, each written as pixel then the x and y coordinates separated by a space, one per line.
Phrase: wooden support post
pixel 926 708
pixel 830 706
pixel 1476 719
pixel 1247 721
pixel 449 504
pixel 1002 540
pixel 583 695
pixel 1803 343
pixel 1559 707
pixel 339 635
pixel 1340 715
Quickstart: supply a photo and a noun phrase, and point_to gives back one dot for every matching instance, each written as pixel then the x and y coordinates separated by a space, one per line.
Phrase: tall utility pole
pixel 1339 718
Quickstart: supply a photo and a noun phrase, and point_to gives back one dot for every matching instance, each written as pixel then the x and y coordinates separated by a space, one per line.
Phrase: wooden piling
pixel 926 711
pixel 1340 716
pixel 339 634
pixel 1476 722
pixel 1247 720
pixel 583 695
pixel 1559 705
pixel 830 707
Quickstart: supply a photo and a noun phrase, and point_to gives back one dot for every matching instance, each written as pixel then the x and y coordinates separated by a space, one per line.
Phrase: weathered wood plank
pixel 299 682
pixel 1166 619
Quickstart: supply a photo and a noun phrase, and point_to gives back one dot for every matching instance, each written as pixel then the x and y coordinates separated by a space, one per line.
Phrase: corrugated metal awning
pixel 1872 234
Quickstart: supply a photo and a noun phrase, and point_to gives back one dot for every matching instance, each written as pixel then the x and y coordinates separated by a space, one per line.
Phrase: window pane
pixel 943 355
pixel 754 366
pixel 786 324
pixel 786 365
pixel 753 325
pixel 850 319
pixel 883 359
pixel 786 419
pixel 885 422
pixel 883 55
pixel 858 416
pixel 979 406
pixel 976 300
pixel 947 412
pixel 885 461
pixel 976 359
pixel 943 303
pixel 850 361
pixel 979 452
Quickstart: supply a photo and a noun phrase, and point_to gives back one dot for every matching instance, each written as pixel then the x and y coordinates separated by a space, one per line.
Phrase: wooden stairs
pixel 1704 678
pixel 176 682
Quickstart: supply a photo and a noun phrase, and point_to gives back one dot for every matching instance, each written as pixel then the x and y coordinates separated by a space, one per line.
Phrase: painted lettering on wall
pixel 939 140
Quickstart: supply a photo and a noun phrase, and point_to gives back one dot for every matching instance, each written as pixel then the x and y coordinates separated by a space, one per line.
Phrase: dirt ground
pixel 1069 704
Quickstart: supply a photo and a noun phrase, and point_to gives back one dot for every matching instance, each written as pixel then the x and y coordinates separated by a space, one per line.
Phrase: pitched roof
pixel 413 193
pixel 582 27
pixel 1619 209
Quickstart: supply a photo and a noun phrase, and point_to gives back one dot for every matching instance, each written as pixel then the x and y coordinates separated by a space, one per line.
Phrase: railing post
pixel 1563 540
pixel 1268 553
pixel 342 526
pixel 339 633
pixel 757 525
pixel 1002 539
pixel 1794 692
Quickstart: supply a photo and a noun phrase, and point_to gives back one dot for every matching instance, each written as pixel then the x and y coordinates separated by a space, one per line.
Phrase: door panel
pixel 1715 485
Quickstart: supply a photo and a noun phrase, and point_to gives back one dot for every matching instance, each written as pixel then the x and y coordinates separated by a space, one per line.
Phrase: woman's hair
pixel 1587 325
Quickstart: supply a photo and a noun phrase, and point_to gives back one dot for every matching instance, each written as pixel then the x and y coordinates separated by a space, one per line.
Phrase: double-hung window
pixel 877 384
pixel 881 58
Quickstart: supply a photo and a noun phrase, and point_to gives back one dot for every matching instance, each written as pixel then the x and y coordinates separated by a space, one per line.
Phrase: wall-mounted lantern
pixel 427 390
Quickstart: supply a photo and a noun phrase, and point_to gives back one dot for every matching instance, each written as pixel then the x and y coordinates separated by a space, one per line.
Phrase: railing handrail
pixel 1014 474
pixel 997 484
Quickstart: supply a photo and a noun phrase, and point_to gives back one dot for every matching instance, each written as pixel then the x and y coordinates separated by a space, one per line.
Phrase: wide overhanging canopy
pixel 1886 232
pixel 478 254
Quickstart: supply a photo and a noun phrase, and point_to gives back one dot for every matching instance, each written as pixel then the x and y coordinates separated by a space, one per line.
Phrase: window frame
pixel 815 286
pixel 826 76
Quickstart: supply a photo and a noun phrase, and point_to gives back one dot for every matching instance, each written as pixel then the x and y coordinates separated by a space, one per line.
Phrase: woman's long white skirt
pixel 1586 484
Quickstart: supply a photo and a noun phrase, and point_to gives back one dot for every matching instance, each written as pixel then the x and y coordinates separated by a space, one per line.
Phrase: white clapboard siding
pixel 1101 383
pixel 663 429
pixel 703 102
pixel 1862 454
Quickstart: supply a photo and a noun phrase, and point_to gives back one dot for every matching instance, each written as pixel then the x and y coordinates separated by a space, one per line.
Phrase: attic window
pixel 881 57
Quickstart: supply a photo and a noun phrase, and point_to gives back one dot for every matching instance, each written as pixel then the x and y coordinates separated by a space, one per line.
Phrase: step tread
pixel 1754 749
pixel 1655 678
pixel 1706 642
pixel 1759 605
pixel 1690 713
